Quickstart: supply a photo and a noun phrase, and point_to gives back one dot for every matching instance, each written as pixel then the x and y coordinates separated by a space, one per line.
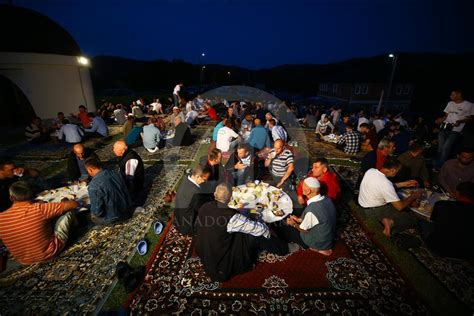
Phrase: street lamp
pixel 201 68
pixel 228 74
pixel 394 58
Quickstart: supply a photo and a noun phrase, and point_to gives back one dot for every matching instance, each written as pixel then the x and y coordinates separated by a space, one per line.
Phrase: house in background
pixel 367 95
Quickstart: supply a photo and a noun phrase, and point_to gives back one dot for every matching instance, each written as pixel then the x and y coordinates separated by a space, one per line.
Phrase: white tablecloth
pixel 76 192
pixel 247 196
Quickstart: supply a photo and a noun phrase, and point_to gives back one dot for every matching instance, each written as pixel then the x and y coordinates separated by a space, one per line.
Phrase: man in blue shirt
pixel 98 126
pixel 259 137
pixel 151 136
pixel 110 200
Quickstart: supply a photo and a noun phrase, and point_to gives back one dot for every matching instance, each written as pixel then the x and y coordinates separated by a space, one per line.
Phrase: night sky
pixel 261 33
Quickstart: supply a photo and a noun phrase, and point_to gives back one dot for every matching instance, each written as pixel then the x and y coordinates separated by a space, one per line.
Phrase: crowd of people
pixel 250 141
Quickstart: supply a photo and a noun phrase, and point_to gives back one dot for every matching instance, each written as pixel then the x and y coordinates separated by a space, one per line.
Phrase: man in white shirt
pixel 457 113
pixel 191 117
pixel 378 197
pixel 71 132
pixel 362 119
pixel 156 106
pixel 177 93
pixel 227 139
pixel 278 132
pixel 379 123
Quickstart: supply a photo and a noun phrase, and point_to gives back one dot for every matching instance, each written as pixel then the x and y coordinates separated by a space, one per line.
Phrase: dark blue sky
pixel 262 33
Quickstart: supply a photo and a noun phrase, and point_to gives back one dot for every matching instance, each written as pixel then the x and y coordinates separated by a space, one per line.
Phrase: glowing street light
pixel 203 54
pixel 83 60
pixel 394 64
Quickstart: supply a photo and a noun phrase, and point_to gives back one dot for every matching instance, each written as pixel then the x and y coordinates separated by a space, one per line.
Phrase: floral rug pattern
pixel 362 282
pixel 78 280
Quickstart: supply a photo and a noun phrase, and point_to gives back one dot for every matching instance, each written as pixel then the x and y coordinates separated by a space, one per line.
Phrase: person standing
pixel 456 114
pixel 177 94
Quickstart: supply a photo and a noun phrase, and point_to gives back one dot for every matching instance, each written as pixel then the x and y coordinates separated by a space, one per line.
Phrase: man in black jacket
pixel 76 169
pixel 182 133
pixel 131 169
pixel 242 165
pixel 449 233
pixel 189 199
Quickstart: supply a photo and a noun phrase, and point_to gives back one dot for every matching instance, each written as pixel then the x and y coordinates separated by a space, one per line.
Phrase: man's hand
pixel 296 219
pixel 416 194
pixel 301 200
pixel 239 165
pixel 406 184
pixel 290 221
pixel 279 184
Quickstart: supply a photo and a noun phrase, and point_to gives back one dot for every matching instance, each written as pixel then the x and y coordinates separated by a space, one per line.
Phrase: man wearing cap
pixel 316 228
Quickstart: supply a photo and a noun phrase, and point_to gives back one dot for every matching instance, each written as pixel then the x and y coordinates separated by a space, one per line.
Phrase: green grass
pixel 438 299
pixel 427 287
pixel 118 296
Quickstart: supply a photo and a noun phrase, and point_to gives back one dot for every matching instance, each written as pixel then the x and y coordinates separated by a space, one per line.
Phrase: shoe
pixel 142 247
pixel 158 227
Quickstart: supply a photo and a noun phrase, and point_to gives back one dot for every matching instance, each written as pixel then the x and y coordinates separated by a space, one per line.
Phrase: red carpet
pixel 357 279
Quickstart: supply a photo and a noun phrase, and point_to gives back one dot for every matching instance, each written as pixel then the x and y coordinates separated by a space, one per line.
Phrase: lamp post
pixel 228 75
pixel 394 58
pixel 201 68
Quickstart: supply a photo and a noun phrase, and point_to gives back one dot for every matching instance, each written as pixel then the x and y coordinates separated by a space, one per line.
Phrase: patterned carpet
pixel 356 279
pixel 79 279
pixel 349 175
pixel 455 274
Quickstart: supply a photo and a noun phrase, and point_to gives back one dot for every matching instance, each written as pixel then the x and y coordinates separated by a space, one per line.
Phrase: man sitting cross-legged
pixel 110 200
pixel 228 242
pixel 26 227
pixel 316 228
pixel 378 197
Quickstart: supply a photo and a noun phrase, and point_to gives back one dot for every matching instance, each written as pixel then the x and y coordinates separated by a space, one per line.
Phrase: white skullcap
pixel 175 108
pixel 312 183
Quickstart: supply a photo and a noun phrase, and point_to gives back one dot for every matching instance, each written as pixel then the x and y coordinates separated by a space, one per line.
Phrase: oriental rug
pixel 349 176
pixel 456 275
pixel 79 279
pixel 356 279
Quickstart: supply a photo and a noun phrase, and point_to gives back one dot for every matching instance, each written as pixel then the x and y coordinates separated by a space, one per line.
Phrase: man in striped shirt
pixel 26 228
pixel 281 163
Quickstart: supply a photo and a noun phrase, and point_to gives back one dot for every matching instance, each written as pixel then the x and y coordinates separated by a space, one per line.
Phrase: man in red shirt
pixel 82 116
pixel 26 230
pixel 211 112
pixel 329 184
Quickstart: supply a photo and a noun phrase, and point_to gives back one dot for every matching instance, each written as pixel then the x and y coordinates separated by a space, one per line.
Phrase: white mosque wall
pixel 52 83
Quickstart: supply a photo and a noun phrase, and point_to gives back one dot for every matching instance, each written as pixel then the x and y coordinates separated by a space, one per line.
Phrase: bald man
pixel 182 133
pixel 76 169
pixel 131 169
pixel 280 161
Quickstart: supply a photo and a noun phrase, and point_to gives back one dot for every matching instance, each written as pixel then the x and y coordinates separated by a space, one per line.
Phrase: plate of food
pixel 247 197
pixel 278 212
